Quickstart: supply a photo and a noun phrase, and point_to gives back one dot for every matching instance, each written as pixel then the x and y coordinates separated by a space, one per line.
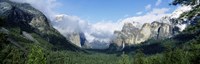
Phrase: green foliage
pixel 2 21
pixel 3 40
pixel 36 55
pixel 194 48
pixel 193 29
pixel 10 54
pixel 68 57
pixel 124 59
pixel 16 35
pixel 177 56
pixel 139 58
pixel 42 42
pixel 154 59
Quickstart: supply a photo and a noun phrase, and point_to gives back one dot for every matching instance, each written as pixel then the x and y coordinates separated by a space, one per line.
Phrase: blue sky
pixel 109 10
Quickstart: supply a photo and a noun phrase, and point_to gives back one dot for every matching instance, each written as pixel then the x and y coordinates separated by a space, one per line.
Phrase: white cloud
pixel 159 11
pixel 139 13
pixel 148 7
pixel 154 15
pixel 68 23
pixel 180 10
pixel 102 30
pixel 158 2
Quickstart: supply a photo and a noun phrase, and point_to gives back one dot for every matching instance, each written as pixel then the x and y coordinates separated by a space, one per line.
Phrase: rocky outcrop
pixel 76 38
pixel 164 31
pixel 161 30
pixel 24 16
pixel 130 35
pixel 28 36
pixel 154 29
pixel 143 34
pixel 119 38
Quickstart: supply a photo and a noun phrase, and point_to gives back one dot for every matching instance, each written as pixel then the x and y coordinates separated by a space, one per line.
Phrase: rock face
pixel 143 34
pixel 76 38
pixel 28 36
pixel 161 30
pixel 24 15
pixel 119 38
pixel 154 29
pixel 164 31
pixel 30 20
pixel 130 35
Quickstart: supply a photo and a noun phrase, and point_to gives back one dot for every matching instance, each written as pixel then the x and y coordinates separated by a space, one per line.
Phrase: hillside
pixel 26 32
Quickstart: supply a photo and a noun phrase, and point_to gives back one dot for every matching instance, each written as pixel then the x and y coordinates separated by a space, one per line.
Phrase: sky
pixel 98 19
pixel 110 10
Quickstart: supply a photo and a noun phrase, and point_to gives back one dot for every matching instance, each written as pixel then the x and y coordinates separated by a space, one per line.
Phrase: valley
pixel 28 36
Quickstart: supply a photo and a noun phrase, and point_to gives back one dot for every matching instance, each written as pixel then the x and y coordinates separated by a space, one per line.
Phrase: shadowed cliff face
pixel 30 20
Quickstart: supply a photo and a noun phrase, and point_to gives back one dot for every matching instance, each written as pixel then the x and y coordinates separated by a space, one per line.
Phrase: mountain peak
pixel 31 20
